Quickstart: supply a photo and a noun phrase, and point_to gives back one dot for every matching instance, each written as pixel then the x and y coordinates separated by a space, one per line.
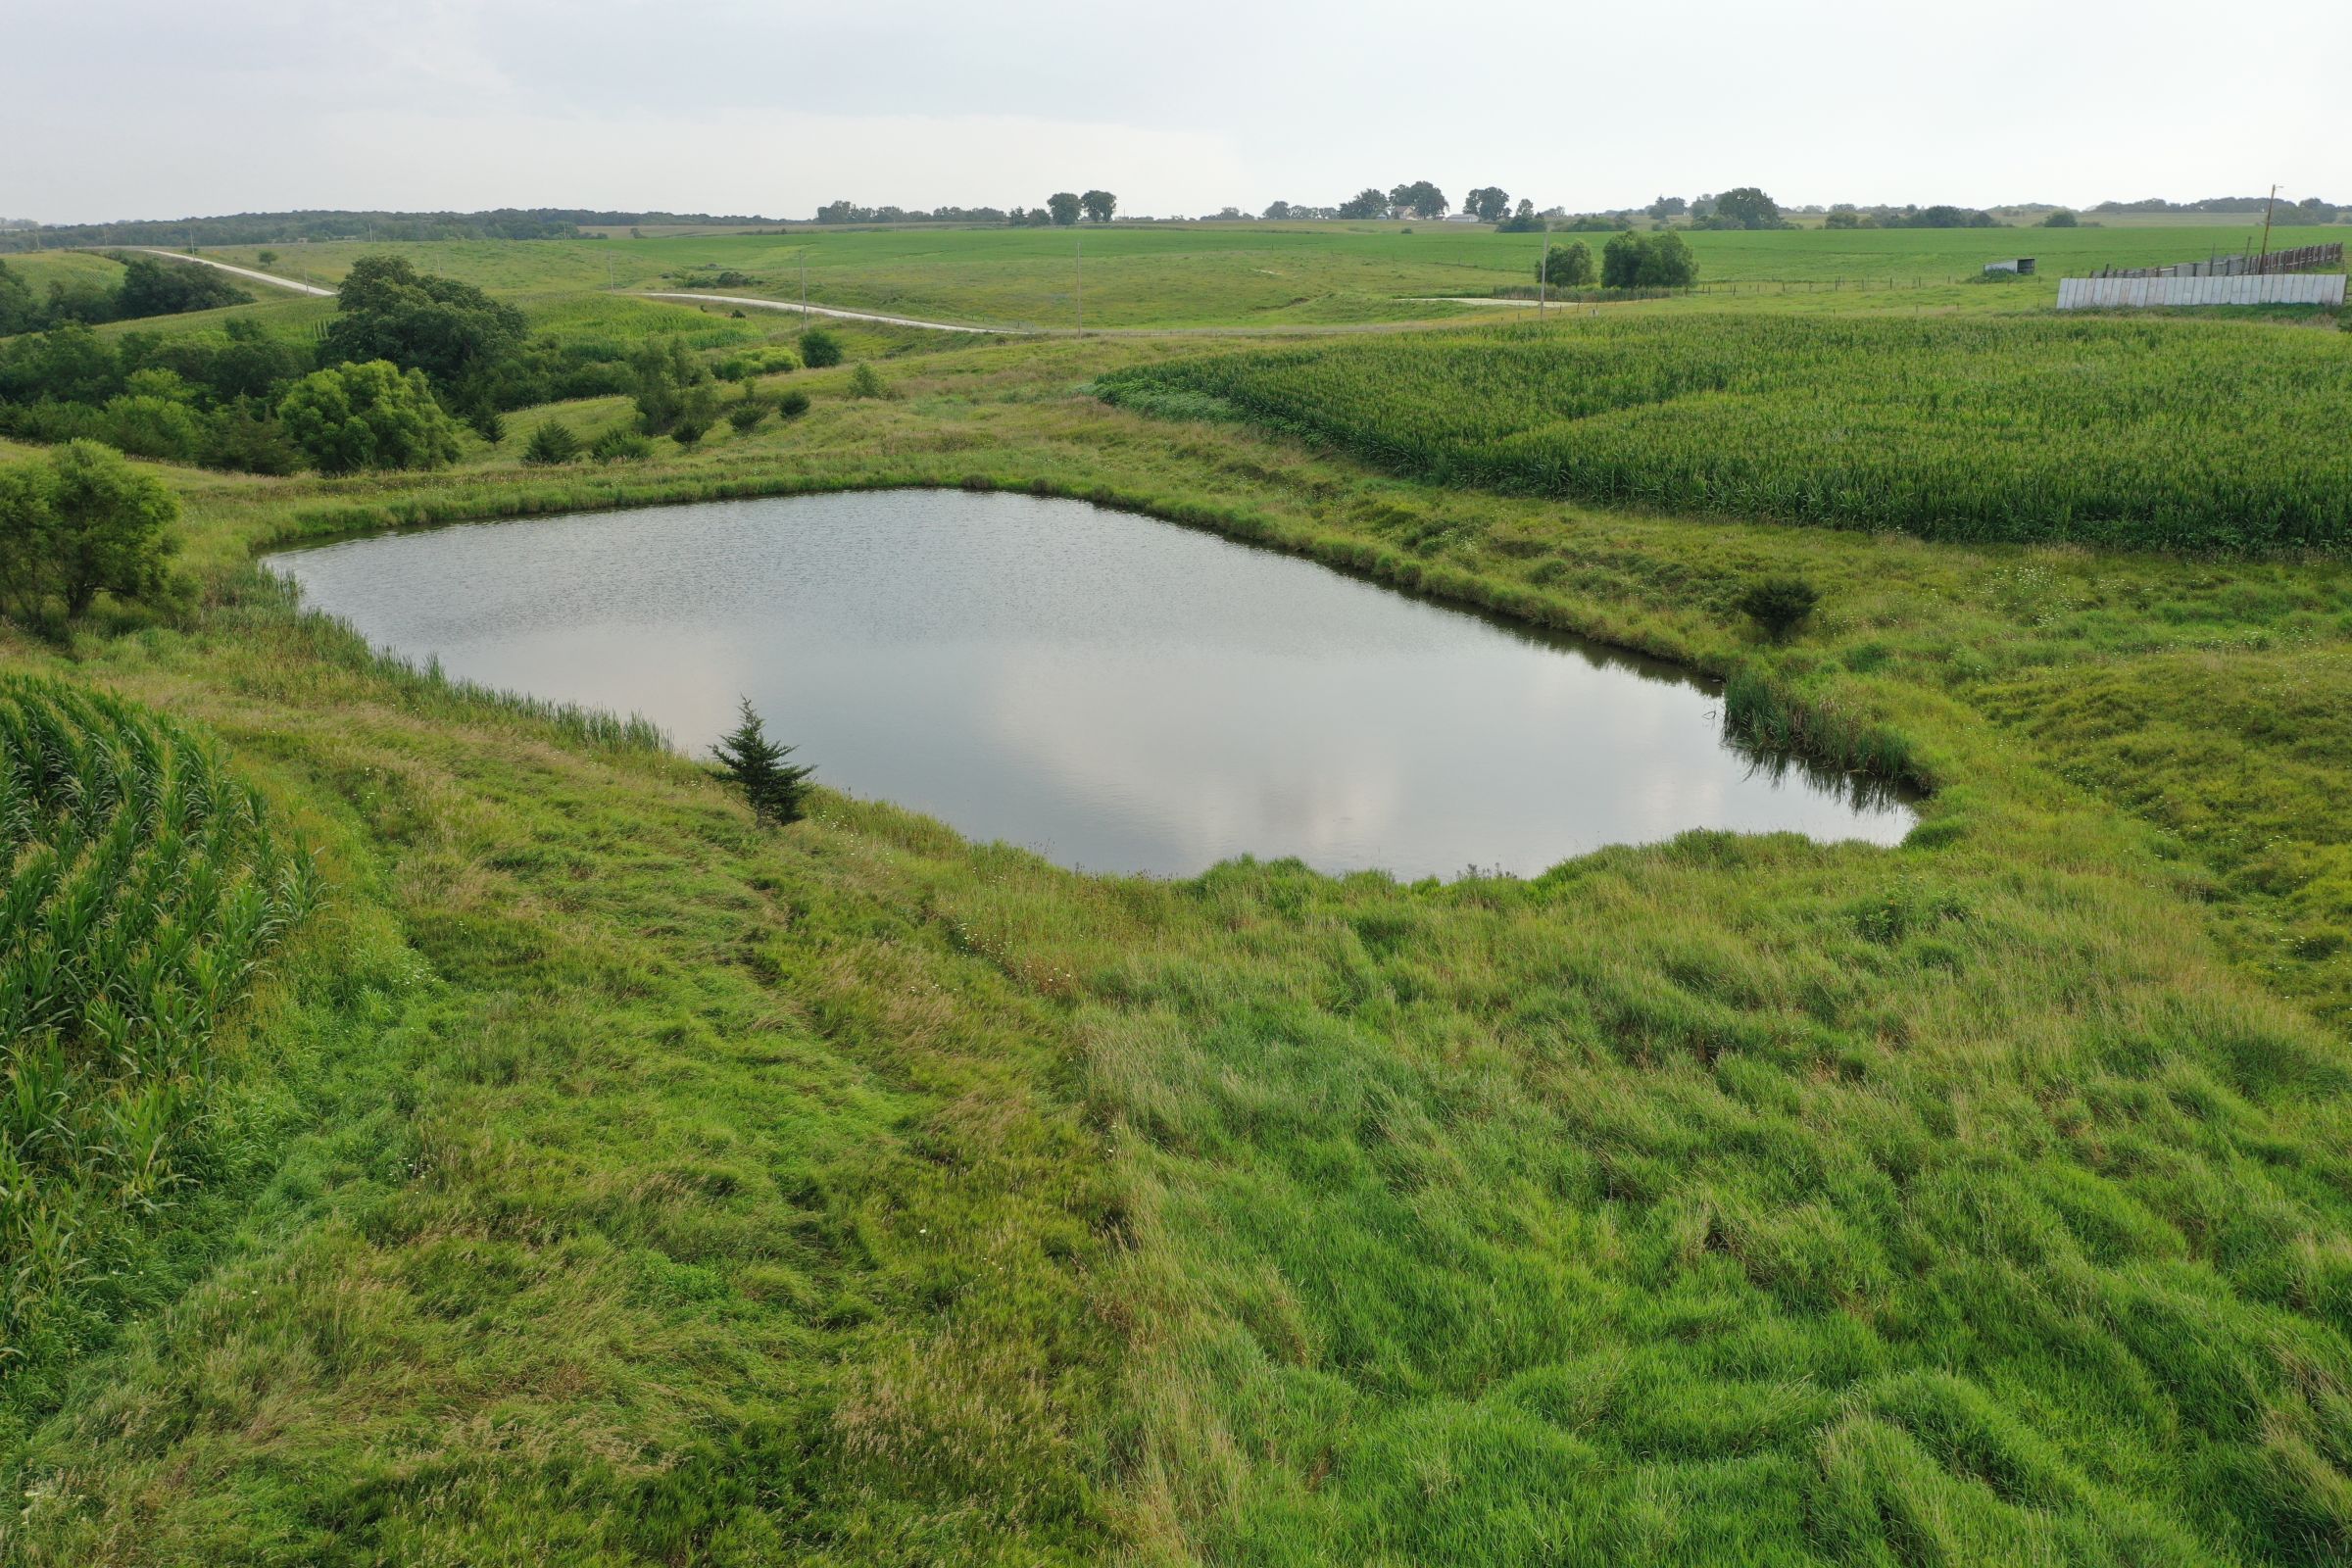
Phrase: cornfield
pixel 2169 434
pixel 145 885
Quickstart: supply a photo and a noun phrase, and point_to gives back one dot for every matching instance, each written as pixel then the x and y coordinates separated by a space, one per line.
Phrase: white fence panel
pixel 2264 288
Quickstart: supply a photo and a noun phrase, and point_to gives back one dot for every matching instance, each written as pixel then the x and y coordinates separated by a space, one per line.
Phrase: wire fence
pixel 1741 285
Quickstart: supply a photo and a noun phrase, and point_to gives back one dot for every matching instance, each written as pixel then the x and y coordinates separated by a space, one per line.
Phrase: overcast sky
pixel 139 109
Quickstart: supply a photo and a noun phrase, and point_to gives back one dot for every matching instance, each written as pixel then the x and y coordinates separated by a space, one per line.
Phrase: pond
pixel 1117 693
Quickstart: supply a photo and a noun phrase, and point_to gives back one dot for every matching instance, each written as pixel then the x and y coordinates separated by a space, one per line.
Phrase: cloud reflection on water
pixel 1120 693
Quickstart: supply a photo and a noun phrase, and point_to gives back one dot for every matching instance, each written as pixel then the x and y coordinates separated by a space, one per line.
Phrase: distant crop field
pixel 40 269
pixel 1272 275
pixel 291 316
pixel 2167 434
pixel 621 322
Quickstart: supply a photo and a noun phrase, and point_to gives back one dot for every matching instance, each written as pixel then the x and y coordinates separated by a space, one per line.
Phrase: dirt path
pixel 1474 299
pixel 826 310
pixel 1296 329
pixel 242 271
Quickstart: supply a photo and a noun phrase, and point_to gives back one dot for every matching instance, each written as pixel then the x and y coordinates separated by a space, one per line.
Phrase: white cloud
pixel 144 108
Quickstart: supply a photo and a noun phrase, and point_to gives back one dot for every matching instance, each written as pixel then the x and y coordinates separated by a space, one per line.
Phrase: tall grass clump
pixel 145 887
pixel 2163 434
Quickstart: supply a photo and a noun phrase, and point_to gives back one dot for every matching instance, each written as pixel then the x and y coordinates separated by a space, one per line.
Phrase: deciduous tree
pixel 71 363
pixel 373 416
pixel 1648 261
pixel 1523 222
pixel 80 522
pixel 387 310
pixel 20 310
pixel 152 287
pixel 1747 207
pixel 1568 266
pixel 1420 199
pixel 819 349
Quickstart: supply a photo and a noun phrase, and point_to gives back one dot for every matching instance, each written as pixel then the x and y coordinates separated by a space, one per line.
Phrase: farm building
pixel 2022 266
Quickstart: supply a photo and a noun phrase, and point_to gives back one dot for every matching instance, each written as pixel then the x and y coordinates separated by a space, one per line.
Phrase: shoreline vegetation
pixel 598 1175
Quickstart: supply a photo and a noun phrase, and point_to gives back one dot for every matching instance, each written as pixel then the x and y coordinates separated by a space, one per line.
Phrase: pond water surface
pixel 1117 693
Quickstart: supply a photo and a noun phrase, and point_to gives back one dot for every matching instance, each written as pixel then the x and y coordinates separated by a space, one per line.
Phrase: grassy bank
pixel 643 1188
pixel 639 1191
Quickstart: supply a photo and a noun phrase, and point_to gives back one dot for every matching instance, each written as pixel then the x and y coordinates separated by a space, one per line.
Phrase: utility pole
pixel 1078 279
pixel 804 288
pixel 1543 266
pixel 2263 265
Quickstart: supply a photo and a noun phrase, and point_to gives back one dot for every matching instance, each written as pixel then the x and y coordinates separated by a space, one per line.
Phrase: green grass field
pixel 591 1177
pixel 40 269
pixel 1265 273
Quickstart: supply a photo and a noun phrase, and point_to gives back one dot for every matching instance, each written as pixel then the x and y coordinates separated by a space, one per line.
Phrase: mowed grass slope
pixel 1982 1200
pixel 639 1194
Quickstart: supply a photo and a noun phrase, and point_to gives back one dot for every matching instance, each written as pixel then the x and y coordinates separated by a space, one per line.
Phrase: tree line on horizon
pixel 321 227
pixel 1487 203
pixel 1744 207
pixel 1061 210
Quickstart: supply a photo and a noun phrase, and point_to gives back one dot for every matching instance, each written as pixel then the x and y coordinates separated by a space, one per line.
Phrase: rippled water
pixel 1117 693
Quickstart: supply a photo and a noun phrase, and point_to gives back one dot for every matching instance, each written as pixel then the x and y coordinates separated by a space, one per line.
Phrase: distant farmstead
pixel 2022 266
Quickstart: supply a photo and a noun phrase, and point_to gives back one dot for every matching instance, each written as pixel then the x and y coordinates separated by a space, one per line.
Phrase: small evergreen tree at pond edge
pixel 746 412
pixel 550 443
pixel 620 446
pixel 1777 605
pixel 755 764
